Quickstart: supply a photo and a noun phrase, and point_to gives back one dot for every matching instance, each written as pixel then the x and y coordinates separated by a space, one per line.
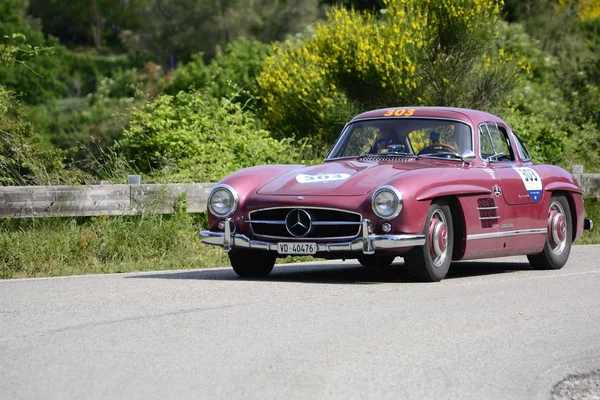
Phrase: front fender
pixel 452 190
pixel 248 180
pixel 419 188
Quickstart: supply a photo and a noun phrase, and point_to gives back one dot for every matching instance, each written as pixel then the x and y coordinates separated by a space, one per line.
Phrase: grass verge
pixel 78 246
pixel 70 246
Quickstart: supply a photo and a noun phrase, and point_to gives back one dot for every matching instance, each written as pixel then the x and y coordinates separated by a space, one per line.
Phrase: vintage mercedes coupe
pixel 429 184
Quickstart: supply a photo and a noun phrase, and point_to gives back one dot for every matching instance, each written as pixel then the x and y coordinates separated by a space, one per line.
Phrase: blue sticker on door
pixel 532 181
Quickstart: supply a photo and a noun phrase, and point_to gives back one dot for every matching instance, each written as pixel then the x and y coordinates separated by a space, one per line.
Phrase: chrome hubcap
pixel 438 238
pixel 557 228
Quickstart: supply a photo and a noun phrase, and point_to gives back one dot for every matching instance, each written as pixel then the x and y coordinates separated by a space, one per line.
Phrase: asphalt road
pixel 492 329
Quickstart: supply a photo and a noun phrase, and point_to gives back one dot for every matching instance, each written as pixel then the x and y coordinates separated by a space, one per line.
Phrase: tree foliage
pixel 418 52
pixel 88 22
pixel 173 30
pixel 556 122
pixel 235 71
pixel 23 158
pixel 200 136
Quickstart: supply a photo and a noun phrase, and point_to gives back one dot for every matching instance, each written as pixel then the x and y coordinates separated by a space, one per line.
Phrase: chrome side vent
pixel 488 212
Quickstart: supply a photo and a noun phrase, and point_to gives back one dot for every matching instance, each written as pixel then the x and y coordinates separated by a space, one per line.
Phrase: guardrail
pixel 131 199
pixel 96 200
pixel 589 183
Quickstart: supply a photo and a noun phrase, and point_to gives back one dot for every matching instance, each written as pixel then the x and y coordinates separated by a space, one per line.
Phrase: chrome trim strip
pixel 265 221
pixel 519 232
pixel 305 239
pixel 228 235
pixel 377 242
pixel 367 229
pixel 487 208
pixel 274 222
pixel 485 218
pixel 336 223
pixel 304 208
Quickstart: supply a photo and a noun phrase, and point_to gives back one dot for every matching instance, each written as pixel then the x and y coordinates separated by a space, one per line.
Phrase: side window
pixel 523 153
pixel 485 142
pixel 494 143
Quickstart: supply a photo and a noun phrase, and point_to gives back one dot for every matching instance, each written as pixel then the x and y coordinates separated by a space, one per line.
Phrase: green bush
pixel 95 120
pixel 418 53
pixel 55 72
pixel 232 72
pixel 82 73
pixel 200 137
pixel 555 118
pixel 23 158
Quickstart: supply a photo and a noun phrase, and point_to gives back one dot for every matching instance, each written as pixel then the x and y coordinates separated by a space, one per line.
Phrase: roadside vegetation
pixel 99 92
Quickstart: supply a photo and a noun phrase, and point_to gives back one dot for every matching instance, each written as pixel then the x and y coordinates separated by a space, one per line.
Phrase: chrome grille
pixel 326 223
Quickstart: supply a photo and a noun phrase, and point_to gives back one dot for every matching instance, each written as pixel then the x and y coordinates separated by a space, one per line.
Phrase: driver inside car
pixel 437 146
pixel 387 142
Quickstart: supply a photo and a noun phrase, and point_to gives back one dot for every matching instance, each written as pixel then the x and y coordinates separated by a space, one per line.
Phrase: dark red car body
pixel 492 212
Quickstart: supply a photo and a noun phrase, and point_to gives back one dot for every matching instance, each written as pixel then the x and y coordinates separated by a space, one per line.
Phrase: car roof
pixel 468 115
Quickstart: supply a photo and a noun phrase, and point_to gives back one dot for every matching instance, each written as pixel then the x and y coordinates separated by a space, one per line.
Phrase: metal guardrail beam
pixel 589 183
pixel 91 200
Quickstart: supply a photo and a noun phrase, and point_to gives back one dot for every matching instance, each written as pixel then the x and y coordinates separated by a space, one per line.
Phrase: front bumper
pixel 588 224
pixel 367 244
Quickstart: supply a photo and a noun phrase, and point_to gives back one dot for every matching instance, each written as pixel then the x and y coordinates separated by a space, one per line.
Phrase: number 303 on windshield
pixel 400 113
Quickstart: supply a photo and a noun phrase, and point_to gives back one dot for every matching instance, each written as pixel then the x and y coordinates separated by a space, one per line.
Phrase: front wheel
pixel 431 262
pixel 559 238
pixel 251 264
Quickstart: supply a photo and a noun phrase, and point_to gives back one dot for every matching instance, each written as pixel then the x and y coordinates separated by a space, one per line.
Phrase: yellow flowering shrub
pixel 588 10
pixel 417 52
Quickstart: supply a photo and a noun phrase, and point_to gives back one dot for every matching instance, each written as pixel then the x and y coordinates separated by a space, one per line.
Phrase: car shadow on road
pixel 332 273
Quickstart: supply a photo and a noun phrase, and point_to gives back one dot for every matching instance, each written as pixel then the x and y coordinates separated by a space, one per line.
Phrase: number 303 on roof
pixel 400 113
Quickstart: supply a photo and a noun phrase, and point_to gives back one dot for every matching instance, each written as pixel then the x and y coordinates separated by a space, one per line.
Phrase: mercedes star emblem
pixel 298 223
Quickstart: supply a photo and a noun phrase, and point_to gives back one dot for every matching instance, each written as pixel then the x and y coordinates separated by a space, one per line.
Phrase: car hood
pixel 338 178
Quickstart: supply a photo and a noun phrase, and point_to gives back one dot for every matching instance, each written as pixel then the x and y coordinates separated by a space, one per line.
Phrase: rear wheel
pixel 558 240
pixel 372 260
pixel 252 264
pixel 430 262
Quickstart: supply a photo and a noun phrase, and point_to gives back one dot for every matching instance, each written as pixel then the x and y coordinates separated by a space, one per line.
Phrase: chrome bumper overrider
pixel 367 244
pixel 588 224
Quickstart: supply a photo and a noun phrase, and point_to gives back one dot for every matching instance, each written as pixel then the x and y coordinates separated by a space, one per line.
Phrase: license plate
pixel 296 248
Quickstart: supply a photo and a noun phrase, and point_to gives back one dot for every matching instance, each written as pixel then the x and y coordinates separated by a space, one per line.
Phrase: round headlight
pixel 223 201
pixel 387 202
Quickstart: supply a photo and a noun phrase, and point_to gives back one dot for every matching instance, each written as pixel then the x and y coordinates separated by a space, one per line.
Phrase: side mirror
pixel 468 157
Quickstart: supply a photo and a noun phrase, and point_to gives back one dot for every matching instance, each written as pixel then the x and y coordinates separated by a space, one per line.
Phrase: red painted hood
pixel 337 178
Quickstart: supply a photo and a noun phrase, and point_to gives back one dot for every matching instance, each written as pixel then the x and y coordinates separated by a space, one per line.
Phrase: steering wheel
pixel 438 146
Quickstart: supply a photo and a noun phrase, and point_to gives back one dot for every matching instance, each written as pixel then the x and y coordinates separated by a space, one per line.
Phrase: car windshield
pixel 405 136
